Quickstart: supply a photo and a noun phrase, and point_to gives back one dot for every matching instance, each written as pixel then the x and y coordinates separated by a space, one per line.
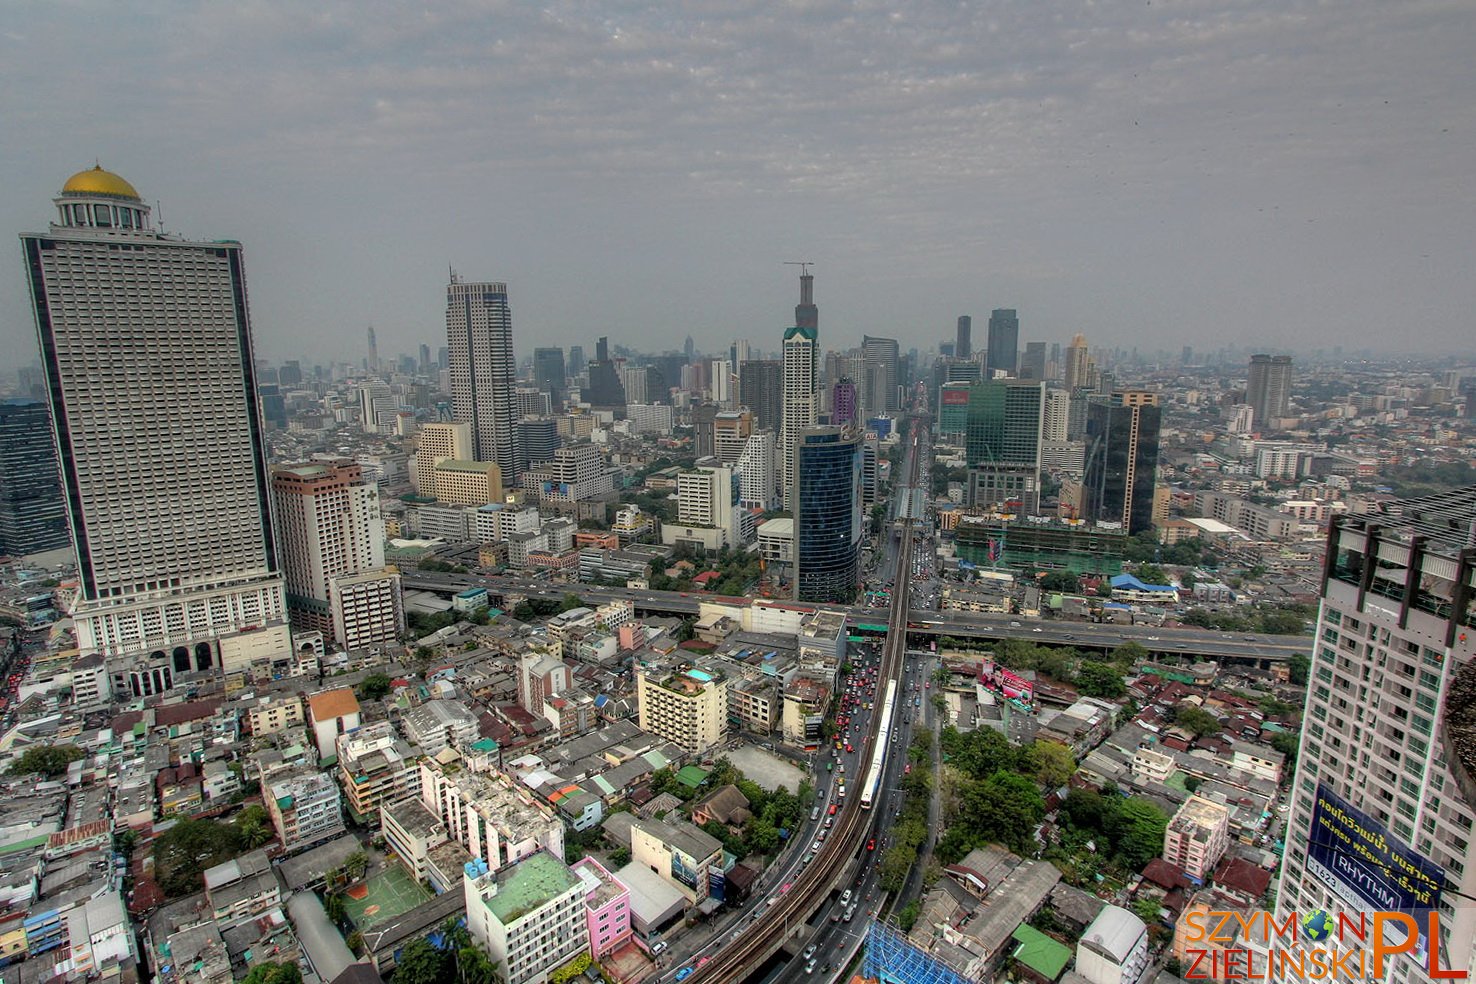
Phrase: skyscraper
pixel 963 346
pixel 483 370
pixel 843 404
pixel 328 525
pixel 761 389
pixel 1383 799
pixel 576 359
pixel 605 390
pixel 1268 389
pixel 1004 343
pixel 1076 372
pixel 879 387
pixel 827 514
pixel 33 517
pixel 1033 365
pixel 437 442
pixel 548 373
pixel 1002 445
pixel 1121 459
pixel 801 372
pixel 372 363
pixel 146 342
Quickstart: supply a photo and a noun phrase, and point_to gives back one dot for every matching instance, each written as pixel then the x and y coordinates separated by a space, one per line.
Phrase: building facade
pixel 484 370
pixel 434 443
pixel 688 707
pixel 801 382
pixel 1268 388
pixel 1002 445
pixel 151 378
pixel 827 514
pixel 530 917
pixel 33 517
pixel 1003 355
pixel 1121 465
pixel 1381 759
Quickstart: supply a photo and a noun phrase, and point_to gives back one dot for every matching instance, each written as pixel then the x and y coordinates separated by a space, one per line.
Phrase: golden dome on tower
pixel 96 181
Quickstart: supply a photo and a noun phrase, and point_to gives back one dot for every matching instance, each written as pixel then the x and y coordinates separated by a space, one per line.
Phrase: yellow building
pixel 687 707
pixel 468 483
pixel 269 715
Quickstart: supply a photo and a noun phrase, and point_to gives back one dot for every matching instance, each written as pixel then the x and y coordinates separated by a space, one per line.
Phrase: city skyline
pixel 1116 172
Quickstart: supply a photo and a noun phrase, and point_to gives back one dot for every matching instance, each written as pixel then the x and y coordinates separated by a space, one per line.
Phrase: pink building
pixel 1197 836
pixel 606 905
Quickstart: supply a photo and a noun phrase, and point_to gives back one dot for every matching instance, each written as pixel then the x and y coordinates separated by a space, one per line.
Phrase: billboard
pixel 955 397
pixel 1353 854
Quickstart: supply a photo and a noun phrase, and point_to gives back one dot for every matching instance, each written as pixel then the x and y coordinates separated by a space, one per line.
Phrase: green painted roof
pixel 1039 952
pixel 485 745
pixel 811 333
pixel 530 883
pixel 692 776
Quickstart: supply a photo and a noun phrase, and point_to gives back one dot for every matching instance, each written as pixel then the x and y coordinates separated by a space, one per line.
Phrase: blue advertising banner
pixel 1356 857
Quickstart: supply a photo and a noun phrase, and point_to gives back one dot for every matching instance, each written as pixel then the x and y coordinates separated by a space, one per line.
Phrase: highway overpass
pixel 1230 648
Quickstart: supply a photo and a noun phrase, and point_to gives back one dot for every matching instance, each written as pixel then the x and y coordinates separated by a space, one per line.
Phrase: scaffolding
pixel 891 959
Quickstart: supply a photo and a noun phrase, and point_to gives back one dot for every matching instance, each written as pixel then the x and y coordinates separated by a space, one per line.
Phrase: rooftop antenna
pixel 804 265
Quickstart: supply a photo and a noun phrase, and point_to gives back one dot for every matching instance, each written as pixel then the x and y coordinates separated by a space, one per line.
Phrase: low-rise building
pixel 1197 836
pixel 1114 948
pixel 304 806
pixel 437 724
pixel 530 916
pixel 376 766
pixel 273 714
pixel 606 907
pixel 680 853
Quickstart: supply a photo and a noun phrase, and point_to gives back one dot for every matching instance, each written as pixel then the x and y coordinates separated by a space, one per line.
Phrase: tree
pixel 571 601
pixel 1052 763
pixel 1100 680
pixel 1152 574
pixel 1130 654
pixel 377 685
pixel 1147 909
pixel 335 908
pixel 254 826
pixel 271 972
pixel 1060 581
pixel 1196 720
pixel 1136 829
pixel 421 963
pixel 189 847
pixel 1299 665
pixel 48 760
pixel 620 857
pixel 1286 743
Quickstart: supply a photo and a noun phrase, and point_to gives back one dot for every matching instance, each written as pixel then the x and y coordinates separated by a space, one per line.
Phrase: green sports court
pixel 383 897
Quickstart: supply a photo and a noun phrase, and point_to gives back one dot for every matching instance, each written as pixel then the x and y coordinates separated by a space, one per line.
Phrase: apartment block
pixel 376 766
pixel 688 706
pixel 1197 836
pixel 530 916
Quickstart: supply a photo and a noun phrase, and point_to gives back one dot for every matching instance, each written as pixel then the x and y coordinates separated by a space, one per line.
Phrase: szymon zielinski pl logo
pixel 1312 946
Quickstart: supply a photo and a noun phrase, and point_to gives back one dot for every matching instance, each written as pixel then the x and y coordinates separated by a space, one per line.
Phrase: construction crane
pixel 804 265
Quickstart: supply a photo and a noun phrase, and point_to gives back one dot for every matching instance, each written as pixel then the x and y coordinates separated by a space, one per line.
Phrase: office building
pixel 1385 764
pixel 378 407
pixel 372 363
pixel 686 706
pixel 1056 421
pixel 879 384
pixel 146 344
pixel 605 390
pixel 33 517
pixel 1002 445
pixel 368 609
pixel 1121 466
pixel 731 430
pixel 576 360
pixel 845 409
pixel 1268 389
pixel 328 525
pixel 756 472
pixel 1033 364
pixel 705 515
pixel 468 483
pixel 1076 373
pixel 529 916
pixel 484 370
pixel 721 378
pixel 649 418
pixel 801 382
pixel 434 443
pixel 1197 837
pixel 963 346
pixel 1004 344
pixel 827 508
pixel 761 389
pixel 953 411
pixel 549 374
pixel 538 439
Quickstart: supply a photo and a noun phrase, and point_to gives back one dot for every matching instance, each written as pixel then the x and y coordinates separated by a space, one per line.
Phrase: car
pixel 810 967
pixel 660 947
pixel 829 822
pixel 815 846
pixel 845 898
pixel 832 809
pixel 1036 629
pixel 809 856
pixel 811 950
pixel 849 748
pixel 871 844
pixel 685 972
pixel 907 769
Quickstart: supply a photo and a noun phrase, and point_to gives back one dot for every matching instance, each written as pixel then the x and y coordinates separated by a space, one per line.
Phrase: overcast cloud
pixel 1204 172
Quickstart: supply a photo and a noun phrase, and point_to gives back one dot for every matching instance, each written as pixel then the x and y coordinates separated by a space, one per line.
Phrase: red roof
pixel 1240 876
pixel 168 715
pixel 1165 875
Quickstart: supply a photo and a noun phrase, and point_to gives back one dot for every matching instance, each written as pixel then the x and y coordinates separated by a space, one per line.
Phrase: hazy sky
pixel 1151 173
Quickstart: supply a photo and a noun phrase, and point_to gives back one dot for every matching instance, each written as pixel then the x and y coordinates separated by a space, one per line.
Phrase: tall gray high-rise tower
pixel 146 343
pixel 1004 343
pixel 963 346
pixel 1268 389
pixel 879 388
pixel 373 361
pixel 483 370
